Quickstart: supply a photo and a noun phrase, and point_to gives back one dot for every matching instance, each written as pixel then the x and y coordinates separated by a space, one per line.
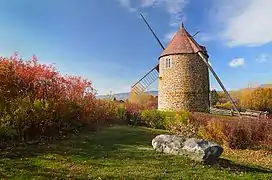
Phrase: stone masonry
pixel 184 85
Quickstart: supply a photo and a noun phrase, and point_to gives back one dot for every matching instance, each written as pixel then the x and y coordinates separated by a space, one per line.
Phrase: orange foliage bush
pixel 260 99
pixel 233 131
pixel 144 99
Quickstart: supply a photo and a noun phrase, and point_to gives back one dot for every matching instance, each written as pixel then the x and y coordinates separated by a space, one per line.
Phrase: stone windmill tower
pixel 183 75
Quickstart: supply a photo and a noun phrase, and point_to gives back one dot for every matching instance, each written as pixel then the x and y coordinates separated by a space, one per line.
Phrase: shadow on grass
pixel 16 169
pixel 234 167
pixel 86 144
pixel 109 144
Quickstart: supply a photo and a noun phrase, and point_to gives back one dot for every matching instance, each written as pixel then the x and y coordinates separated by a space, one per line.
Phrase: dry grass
pixel 258 157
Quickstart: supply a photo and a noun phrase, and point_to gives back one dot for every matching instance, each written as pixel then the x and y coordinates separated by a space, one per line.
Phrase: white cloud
pixel 205 37
pixel 147 3
pixel 127 4
pixel 169 36
pixel 175 8
pixel 238 62
pixel 246 22
pixel 263 58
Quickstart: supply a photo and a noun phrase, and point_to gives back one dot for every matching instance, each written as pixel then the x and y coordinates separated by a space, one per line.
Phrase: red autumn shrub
pixel 239 139
pixel 20 78
pixel 37 101
pixel 133 112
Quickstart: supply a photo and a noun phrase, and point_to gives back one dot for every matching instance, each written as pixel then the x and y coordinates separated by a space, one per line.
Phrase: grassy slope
pixel 118 152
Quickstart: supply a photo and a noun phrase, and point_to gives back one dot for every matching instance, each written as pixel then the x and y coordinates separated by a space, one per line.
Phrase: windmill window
pixel 168 63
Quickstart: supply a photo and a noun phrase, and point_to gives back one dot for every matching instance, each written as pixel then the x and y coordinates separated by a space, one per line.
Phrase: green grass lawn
pixel 118 152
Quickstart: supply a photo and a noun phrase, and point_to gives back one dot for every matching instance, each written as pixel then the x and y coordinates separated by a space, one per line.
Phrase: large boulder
pixel 196 149
pixel 202 150
pixel 171 144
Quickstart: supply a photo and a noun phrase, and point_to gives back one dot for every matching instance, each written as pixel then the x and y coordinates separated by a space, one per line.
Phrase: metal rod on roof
pixel 196 33
pixel 152 31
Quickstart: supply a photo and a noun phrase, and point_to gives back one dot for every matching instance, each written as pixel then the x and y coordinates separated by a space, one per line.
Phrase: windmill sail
pixel 152 75
pixel 146 81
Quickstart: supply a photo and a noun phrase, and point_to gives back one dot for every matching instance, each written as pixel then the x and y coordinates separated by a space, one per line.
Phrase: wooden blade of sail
pixel 219 81
pixel 141 85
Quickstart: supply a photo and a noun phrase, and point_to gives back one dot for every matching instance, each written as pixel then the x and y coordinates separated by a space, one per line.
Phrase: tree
pixel 144 99
pixel 260 99
pixel 214 97
pixel 245 98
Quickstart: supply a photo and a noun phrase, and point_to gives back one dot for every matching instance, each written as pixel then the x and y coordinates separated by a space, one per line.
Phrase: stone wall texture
pixel 185 85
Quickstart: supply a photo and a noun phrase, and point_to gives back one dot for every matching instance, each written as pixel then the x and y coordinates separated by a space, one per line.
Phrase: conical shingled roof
pixel 182 42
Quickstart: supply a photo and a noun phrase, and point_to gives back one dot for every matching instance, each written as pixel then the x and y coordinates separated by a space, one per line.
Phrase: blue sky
pixel 106 41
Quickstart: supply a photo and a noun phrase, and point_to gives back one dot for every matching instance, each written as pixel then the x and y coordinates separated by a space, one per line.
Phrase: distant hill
pixel 266 86
pixel 253 88
pixel 235 93
pixel 124 96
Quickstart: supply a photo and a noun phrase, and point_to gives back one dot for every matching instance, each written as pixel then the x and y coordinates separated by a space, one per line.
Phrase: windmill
pixel 183 73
